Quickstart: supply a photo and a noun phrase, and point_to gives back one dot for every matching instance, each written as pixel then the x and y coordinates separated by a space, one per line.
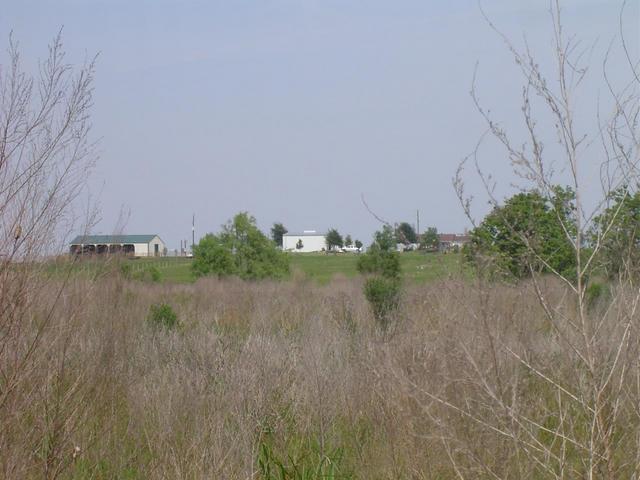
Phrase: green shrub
pixel 154 273
pixel 149 273
pixel 383 262
pixel 162 315
pixel 312 466
pixel 384 296
pixel 382 289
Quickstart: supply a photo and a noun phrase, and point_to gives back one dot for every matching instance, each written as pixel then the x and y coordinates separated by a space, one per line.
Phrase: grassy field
pixel 273 380
pixel 417 267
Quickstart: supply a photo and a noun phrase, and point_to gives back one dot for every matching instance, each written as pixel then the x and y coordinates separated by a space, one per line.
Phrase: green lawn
pixel 416 266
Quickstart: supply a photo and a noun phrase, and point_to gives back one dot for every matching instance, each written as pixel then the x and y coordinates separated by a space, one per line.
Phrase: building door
pixel 156 249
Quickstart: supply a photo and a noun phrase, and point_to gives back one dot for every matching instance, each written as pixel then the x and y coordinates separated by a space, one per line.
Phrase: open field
pixel 258 378
pixel 416 267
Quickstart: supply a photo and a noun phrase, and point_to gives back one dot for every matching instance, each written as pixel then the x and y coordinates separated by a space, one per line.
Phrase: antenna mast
pixel 193 232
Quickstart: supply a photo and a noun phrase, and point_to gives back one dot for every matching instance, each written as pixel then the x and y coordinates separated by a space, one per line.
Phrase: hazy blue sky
pixel 293 109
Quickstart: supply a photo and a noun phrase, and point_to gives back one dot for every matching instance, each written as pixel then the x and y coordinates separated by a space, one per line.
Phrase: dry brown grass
pixel 302 368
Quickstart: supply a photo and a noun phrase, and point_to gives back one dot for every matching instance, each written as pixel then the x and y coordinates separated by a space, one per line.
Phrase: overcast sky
pixel 292 110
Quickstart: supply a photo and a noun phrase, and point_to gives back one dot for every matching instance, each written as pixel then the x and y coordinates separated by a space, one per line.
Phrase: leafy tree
pixel 333 239
pixel 212 256
pixel 617 231
pixel 385 238
pixel 348 241
pixel 528 232
pixel 277 232
pixel 299 244
pixel 358 244
pixel 429 240
pixel 239 249
pixel 406 233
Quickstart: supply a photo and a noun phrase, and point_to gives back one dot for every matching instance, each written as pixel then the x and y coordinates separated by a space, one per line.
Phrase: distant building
pixel 305 242
pixel 133 245
pixel 452 241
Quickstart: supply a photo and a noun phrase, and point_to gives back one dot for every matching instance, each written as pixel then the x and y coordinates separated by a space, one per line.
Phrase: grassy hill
pixel 416 266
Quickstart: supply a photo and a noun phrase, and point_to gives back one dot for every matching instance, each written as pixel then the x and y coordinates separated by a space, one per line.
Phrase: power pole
pixel 193 232
pixel 417 222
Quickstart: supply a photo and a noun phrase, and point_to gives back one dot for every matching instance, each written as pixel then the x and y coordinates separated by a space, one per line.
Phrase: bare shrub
pixel 555 394
pixel 45 156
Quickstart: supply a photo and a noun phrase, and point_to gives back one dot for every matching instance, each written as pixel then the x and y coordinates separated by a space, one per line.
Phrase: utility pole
pixel 417 222
pixel 193 232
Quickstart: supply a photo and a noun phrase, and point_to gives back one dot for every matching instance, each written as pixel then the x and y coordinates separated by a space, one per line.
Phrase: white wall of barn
pixel 161 246
pixel 148 249
pixel 141 249
pixel 310 243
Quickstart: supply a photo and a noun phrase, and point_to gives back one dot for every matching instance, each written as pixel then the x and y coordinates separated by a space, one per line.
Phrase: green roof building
pixel 150 245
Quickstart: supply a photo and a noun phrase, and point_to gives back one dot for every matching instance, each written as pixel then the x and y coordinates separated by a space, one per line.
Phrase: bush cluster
pixel 162 315
pixel 383 287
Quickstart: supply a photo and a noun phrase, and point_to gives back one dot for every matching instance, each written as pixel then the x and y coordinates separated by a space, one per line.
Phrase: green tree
pixel 617 231
pixel 358 244
pixel 239 249
pixel 429 239
pixel 406 233
pixel 212 256
pixel 348 241
pixel 277 232
pixel 528 232
pixel 385 238
pixel 333 239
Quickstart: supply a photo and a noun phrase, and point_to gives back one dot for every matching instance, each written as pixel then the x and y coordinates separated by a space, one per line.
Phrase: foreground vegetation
pixel 233 379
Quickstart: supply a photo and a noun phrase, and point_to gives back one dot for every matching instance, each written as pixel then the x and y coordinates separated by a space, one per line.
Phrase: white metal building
pixel 307 241
pixel 134 245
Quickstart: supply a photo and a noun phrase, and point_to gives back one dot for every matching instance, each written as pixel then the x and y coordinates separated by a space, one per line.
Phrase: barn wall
pixel 161 246
pixel 142 249
pixel 310 243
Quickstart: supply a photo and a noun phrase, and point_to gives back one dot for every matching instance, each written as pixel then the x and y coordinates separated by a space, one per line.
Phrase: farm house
pixel 133 245
pixel 305 242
